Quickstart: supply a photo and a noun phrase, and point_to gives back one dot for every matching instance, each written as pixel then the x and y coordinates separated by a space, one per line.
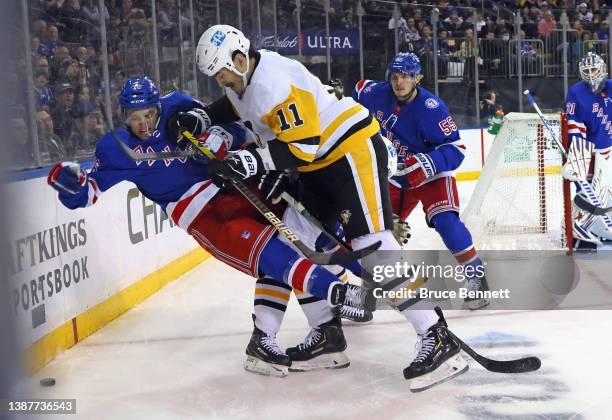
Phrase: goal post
pixel 521 200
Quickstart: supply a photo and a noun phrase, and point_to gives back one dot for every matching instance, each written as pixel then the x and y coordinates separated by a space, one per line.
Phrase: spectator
pixel 42 92
pixel 399 23
pixel 42 64
pixel 492 53
pixel 454 24
pixel 546 25
pixel 411 34
pixel 468 53
pixel 71 21
pixel 82 94
pixel 39 29
pixel 489 26
pixel 604 31
pixel 71 73
pixel 61 54
pixel 51 148
pixel 62 110
pixel 443 54
pixel 480 23
pixel 86 130
pixel 51 39
pixel 37 49
pixel 584 14
pixel 91 13
pixel 529 58
pixel 489 107
pixel 348 21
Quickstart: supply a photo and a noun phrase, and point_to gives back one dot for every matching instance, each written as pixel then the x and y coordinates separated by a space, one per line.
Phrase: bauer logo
pixel 431 103
pixel 218 38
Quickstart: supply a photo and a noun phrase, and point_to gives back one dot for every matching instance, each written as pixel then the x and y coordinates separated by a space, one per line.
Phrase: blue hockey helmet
pixel 407 63
pixel 138 93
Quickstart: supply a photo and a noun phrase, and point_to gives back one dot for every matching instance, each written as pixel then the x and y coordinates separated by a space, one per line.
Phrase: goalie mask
pixel 593 71
pixel 216 49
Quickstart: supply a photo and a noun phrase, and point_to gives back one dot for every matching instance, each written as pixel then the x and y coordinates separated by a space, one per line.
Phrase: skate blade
pixel 324 361
pixel 255 365
pixel 476 304
pixel 454 366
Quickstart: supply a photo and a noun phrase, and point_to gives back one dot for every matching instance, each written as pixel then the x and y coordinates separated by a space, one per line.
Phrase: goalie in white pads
pixel 588 107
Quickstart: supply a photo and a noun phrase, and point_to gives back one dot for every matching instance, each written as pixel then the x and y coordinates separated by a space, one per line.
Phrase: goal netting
pixel 520 200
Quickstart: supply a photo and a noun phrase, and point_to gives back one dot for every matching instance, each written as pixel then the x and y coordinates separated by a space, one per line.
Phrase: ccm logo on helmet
pixel 218 38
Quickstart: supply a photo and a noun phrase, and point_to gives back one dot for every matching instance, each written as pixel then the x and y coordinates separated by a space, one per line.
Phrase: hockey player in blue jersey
pixel 588 106
pixel 428 143
pixel 224 223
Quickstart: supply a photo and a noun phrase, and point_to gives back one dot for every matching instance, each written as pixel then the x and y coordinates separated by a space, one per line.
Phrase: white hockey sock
pixel 421 319
pixel 271 298
pixel 317 311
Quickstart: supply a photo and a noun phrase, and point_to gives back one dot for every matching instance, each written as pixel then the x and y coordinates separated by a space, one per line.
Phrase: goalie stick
pixel 318 258
pixel 590 208
pixel 523 365
pixel 596 205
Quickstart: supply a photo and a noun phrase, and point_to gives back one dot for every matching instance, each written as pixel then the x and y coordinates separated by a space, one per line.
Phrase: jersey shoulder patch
pixel 364 86
pixel 431 103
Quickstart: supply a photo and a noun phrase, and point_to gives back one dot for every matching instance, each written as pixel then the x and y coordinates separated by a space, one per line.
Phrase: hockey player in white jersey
pixel 588 107
pixel 336 147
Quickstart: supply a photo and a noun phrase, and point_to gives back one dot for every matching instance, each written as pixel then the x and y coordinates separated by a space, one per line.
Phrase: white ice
pixel 179 355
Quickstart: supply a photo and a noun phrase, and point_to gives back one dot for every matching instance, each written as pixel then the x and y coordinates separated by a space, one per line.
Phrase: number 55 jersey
pixel 423 125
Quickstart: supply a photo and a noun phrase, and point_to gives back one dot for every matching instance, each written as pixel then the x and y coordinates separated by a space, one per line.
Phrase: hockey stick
pixel 319 258
pixel 533 103
pixel 590 208
pixel 523 365
pixel 582 183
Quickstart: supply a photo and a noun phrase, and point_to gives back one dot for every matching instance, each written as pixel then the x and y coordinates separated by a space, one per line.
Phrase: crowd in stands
pixel 68 82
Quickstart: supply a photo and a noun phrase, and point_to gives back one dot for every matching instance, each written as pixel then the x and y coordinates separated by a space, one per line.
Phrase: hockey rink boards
pixel 180 355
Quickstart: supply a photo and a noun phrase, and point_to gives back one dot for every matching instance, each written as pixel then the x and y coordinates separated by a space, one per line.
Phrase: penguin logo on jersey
pixel 431 103
pixel 345 216
pixel 245 234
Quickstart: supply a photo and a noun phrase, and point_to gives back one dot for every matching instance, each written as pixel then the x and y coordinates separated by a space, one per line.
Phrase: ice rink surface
pixel 179 355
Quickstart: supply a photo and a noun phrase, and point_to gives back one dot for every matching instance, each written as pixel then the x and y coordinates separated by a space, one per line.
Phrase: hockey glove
pixel 272 184
pixel 419 168
pixel 239 165
pixel 67 178
pixel 195 121
pixel 218 140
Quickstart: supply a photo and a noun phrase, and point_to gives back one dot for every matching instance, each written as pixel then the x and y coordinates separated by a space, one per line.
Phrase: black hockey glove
pixel 272 184
pixel 239 165
pixel 195 122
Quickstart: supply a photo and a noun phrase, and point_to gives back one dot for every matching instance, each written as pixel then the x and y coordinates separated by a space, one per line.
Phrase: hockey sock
pixel 270 304
pixel 456 237
pixel 317 311
pixel 280 261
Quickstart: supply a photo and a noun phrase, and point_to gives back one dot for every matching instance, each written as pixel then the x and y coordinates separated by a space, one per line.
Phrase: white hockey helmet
pixel 593 71
pixel 392 159
pixel 216 48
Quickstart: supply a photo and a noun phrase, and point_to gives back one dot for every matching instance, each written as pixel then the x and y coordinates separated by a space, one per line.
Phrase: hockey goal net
pixel 520 200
